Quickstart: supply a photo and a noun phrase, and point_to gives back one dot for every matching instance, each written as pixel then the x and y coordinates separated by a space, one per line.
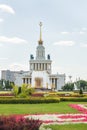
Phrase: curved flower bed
pixel 80 107
pixel 63 118
pixel 59 118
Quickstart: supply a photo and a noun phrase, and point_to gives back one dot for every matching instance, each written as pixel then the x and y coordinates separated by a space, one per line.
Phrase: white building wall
pixel 13 76
pixel 60 82
pixel 41 74
pixel 18 79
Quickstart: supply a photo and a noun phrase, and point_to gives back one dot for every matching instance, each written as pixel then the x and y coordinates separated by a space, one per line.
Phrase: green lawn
pixel 61 107
pixel 68 127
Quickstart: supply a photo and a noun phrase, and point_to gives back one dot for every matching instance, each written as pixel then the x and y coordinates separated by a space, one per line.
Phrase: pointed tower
pixel 40 50
pixel 40 40
pixel 40 63
pixel 40 76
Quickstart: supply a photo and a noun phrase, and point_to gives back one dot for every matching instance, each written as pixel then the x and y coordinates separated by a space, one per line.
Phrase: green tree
pixel 68 87
pixel 2 84
pixel 23 88
pixel 26 90
pixel 15 90
pixel 8 85
pixel 81 84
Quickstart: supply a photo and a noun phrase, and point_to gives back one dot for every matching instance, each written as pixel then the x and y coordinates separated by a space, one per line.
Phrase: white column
pixel 44 66
pixel 28 80
pixel 57 83
pixel 41 66
pixel 51 83
pixel 54 83
pixel 38 66
pixel 35 66
pixel 25 80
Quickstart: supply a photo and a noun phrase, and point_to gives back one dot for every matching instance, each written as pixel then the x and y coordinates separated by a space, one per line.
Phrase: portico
pixel 40 74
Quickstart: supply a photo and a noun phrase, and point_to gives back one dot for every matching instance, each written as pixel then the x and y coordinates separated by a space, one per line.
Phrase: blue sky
pixel 64 34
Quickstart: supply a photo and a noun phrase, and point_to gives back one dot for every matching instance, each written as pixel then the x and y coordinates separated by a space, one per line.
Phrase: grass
pixel 68 127
pixel 61 107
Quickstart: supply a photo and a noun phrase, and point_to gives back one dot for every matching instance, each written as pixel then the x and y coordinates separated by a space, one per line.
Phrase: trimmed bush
pixel 22 95
pixel 74 99
pixel 12 123
pixel 28 100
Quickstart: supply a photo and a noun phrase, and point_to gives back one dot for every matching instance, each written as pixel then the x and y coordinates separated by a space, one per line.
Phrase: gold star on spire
pixel 40 41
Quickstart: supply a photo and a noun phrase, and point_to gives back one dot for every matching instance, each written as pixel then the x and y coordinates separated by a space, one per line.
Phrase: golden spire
pixel 40 41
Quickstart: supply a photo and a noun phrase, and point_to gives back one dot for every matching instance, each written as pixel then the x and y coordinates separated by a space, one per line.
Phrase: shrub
pixel 28 100
pixel 12 123
pixel 44 100
pixel 26 89
pixel 19 90
pixel 15 90
pixel 29 91
pixel 80 91
pixel 22 95
pixel 74 99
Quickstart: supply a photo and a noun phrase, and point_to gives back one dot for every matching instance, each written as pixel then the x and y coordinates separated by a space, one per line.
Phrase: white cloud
pixel 15 40
pixel 84 29
pixel 3 58
pixel 65 43
pixel 84 45
pixel 82 32
pixel 65 32
pixel 1 45
pixel 7 9
pixel 1 20
pixel 17 67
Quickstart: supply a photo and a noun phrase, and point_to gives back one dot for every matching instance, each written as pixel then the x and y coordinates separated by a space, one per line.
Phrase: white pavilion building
pixel 40 75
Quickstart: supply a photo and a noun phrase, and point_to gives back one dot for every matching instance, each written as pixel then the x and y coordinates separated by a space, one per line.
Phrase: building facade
pixel 13 76
pixel 40 74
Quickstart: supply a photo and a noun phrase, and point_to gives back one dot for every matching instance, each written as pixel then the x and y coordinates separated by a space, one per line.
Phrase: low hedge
pixel 74 99
pixel 29 100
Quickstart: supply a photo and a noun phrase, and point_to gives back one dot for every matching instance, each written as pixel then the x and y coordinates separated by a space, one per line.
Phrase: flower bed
pixel 48 119
pixel 6 94
pixel 37 95
pixel 62 118
pixel 59 118
pixel 81 108
pixel 18 123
